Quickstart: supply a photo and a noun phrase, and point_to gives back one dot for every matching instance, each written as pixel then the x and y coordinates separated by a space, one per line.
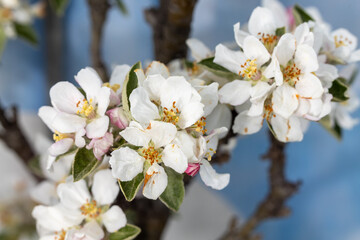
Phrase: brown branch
pixel 273 206
pixel 98 12
pixel 171 24
pixel 13 136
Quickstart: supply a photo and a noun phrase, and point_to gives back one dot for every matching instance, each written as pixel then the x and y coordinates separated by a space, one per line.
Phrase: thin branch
pixel 171 24
pixel 98 12
pixel 13 136
pixel 273 206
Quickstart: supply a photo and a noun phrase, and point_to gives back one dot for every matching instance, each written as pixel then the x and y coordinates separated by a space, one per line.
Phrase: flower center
pixel 5 14
pixel 249 69
pixel 60 235
pixel 268 110
pixel 341 41
pixel 171 115
pixel 268 40
pixel 59 136
pixel 90 209
pixel 200 125
pixel 86 108
pixel 151 154
pixel 114 87
pixel 291 74
pixel 208 154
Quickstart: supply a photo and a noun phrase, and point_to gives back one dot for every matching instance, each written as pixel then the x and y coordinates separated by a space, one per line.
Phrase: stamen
pixel 87 110
pixel 59 136
pixel 249 69
pixel 114 87
pixel 171 115
pixel 151 154
pixel 200 125
pixel 90 209
pixel 291 74
pixel 341 41
pixel 60 235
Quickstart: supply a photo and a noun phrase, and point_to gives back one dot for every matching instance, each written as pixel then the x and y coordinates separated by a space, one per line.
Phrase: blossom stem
pixel 98 12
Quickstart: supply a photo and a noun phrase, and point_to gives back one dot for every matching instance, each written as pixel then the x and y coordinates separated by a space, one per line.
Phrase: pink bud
pixel 118 118
pixel 291 19
pixel 101 146
pixel 193 169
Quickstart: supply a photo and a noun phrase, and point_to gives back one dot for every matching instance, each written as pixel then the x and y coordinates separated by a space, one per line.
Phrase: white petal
pixel 176 89
pixel 44 193
pixel 287 130
pixel 258 94
pixel 285 100
pixel 354 57
pixel 157 182
pixel 65 96
pixel 306 59
pixel 211 178
pixel 61 147
pixel 303 35
pixel 92 231
pixel 157 67
pixel 105 187
pixel 285 49
pixel 140 76
pixel 198 49
pixel 239 34
pixel 274 70
pixel 118 75
pixel 47 115
pixel 161 133
pixel 229 59
pixel 279 12
pixel 114 219
pixel 244 124
pixel 73 194
pixel 97 127
pixel 187 144
pixel 126 163
pixel 142 109
pixel 309 86
pixel 68 123
pixel 153 85
pixel 351 42
pixel 89 81
pixel 254 49
pixel 103 100
pixel 79 138
pixel 192 112
pixel 262 21
pixel 136 135
pixel 209 97
pixel 235 92
pixel 220 117
pixel 173 157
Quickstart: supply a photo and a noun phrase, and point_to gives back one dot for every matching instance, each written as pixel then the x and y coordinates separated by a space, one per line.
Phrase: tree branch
pixel 273 206
pixel 98 11
pixel 171 24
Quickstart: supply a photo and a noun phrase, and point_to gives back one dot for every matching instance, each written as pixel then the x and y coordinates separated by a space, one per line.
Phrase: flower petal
pixel 90 81
pixel 61 147
pixel 118 76
pixel 97 127
pixel 198 49
pixel 103 100
pixel 309 86
pixel 153 85
pixel 254 49
pixel 126 163
pixel 142 109
pixel 306 59
pixel 262 21
pixel 73 194
pixel 47 115
pixel 239 35
pixel 136 135
pixel 156 182
pixel 161 133
pixel 105 187
pixel 245 124
pixel 68 123
pixel 173 157
pixel 157 67
pixel 285 100
pixel 65 97
pixel 287 130
pixel 211 178
pixel 229 59
pixel 114 219
pixel 209 97
pixel 285 48
pixel 235 92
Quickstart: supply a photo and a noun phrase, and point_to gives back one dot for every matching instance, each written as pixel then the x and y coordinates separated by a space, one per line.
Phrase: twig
pixel 13 136
pixel 273 206
pixel 171 24
pixel 98 11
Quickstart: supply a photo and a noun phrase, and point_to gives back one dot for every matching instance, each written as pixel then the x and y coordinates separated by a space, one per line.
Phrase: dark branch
pixel 171 24
pixel 13 136
pixel 273 206
pixel 98 11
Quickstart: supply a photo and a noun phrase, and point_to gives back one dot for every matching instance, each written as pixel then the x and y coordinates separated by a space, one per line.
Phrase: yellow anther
pixel 171 115
pixel 59 136
pixel 5 14
pixel 60 235
pixel 200 125
pixel 151 154
pixel 114 87
pixel 90 209
pixel 291 74
pixel 340 41
pixel 249 69
pixel 86 108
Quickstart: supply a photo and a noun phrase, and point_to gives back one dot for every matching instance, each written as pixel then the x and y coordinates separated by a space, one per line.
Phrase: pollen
pixel 114 87
pixel 86 108
pixel 60 235
pixel 268 40
pixel 200 125
pixel 59 136
pixel 151 154
pixel 341 41
pixel 291 74
pixel 249 69
pixel 90 209
pixel 171 115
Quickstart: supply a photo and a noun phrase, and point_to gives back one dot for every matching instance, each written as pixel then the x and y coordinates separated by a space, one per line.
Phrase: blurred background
pixel 328 203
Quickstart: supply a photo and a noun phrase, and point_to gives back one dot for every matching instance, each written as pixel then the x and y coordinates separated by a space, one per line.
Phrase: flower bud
pixel 118 118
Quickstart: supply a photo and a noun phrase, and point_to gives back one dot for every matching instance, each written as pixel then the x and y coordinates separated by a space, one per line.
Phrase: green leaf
pixel 174 193
pixel 59 6
pixel 26 32
pixel 339 90
pixel 280 31
pixel 208 64
pixel 126 233
pixel 301 15
pixel 85 162
pixel 130 83
pixel 130 188
pixel 120 4
pixel 335 130
pixel 3 39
